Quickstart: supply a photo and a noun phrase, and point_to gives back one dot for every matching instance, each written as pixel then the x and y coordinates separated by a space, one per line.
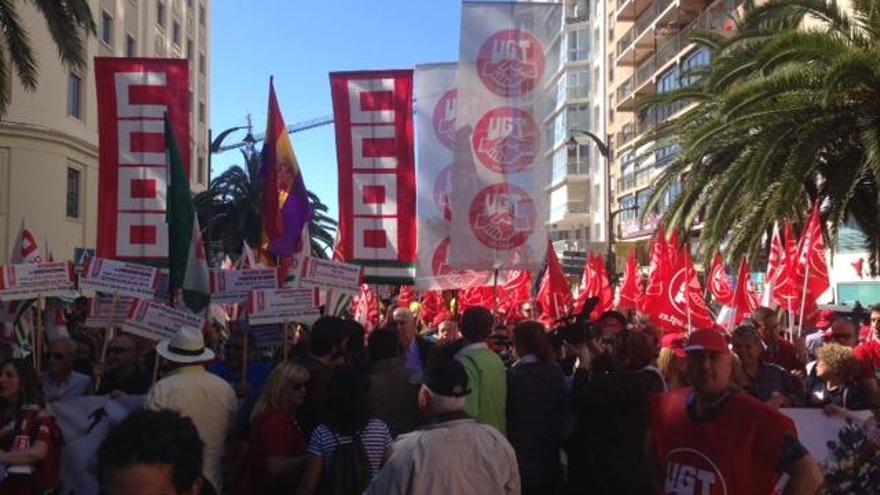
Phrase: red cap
pixel 824 319
pixel 676 342
pixel 707 340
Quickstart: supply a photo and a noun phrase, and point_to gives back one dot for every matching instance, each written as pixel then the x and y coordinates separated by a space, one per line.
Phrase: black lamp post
pixel 604 147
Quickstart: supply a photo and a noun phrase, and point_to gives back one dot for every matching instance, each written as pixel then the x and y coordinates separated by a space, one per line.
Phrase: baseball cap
pixel 447 378
pixel 676 342
pixel 707 340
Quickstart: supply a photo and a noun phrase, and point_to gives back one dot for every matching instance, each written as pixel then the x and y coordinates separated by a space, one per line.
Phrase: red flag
pixel 594 283
pixel 744 298
pixel 631 291
pixel 366 308
pixel 406 296
pixel 696 310
pixel 476 296
pixel 555 294
pixel 719 282
pixel 675 297
pixel 810 274
pixel 656 275
pixel 516 291
pixel 784 291
pixel 674 248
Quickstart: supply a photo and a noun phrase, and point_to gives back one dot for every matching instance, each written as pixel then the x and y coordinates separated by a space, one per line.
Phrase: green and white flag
pixel 187 262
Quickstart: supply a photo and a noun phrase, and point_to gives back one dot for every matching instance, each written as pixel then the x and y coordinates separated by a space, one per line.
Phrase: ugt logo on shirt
pixel 689 472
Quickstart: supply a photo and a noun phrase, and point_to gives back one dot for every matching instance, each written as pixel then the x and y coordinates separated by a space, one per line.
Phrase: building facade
pixel 49 137
pixel 649 52
pixel 577 185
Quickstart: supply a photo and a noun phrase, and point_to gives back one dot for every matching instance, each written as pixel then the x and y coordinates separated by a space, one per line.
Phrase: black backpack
pixel 350 472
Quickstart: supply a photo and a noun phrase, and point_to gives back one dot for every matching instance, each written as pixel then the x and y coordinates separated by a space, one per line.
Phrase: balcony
pixel 567 210
pixel 661 20
pixel 630 10
pixel 572 171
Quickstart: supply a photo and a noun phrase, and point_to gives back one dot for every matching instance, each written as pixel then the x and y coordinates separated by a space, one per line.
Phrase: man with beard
pixel 123 372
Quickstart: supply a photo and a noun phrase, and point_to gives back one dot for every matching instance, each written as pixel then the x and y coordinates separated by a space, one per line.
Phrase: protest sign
pixel 283 305
pixel 267 336
pixel 31 280
pixel 156 321
pixel 110 276
pixel 101 312
pixel 328 274
pixel 233 286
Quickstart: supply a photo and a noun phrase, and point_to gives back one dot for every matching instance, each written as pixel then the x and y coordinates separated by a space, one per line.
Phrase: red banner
pixel 134 94
pixel 377 193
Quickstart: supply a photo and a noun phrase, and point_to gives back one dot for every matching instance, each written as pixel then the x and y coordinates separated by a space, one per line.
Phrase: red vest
pixel 734 453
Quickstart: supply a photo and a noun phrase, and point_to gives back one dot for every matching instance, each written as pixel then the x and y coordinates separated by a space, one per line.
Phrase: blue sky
pixel 300 42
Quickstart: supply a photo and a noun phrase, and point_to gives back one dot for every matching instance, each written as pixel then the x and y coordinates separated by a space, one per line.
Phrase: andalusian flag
pixel 186 252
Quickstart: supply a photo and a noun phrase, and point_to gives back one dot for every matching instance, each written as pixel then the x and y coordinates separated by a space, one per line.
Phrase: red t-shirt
pixel 734 452
pixel 274 434
pixel 868 355
pixel 783 354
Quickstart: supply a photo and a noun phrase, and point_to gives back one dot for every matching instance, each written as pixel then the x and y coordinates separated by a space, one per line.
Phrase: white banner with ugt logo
pixel 435 105
pixel 500 170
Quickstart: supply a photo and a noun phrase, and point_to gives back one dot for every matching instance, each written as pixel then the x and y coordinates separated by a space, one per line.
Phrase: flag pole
pixel 804 297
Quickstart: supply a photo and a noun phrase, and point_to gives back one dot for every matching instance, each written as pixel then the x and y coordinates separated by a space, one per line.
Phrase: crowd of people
pixel 469 404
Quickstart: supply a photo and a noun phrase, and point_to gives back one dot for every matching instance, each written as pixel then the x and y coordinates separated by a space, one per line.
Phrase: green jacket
pixel 487 380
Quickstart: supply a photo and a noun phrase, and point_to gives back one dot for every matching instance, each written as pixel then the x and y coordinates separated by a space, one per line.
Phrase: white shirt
pixel 74 386
pixel 206 399
pixel 458 456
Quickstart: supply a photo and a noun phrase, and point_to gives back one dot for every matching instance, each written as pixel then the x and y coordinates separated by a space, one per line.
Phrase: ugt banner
pixel 435 106
pixel 134 94
pixel 377 191
pixel 499 171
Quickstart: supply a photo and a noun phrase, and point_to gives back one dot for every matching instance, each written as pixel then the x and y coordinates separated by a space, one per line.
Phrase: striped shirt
pixel 375 437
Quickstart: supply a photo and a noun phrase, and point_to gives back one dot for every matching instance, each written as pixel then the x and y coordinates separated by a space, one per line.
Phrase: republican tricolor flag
pixel 286 207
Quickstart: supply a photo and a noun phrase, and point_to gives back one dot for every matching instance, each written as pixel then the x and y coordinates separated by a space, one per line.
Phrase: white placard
pixel 283 305
pixel 233 286
pixel 156 321
pixel 327 274
pixel 129 279
pixel 31 280
pixel 101 312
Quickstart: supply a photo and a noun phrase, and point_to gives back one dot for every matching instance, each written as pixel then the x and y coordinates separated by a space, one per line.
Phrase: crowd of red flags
pixel 673 300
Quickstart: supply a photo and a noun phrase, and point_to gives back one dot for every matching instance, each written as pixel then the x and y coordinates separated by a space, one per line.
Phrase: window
pixel 160 13
pixel 202 169
pixel 578 83
pixel 578 117
pixel 201 14
pixel 106 28
pixel 175 33
pixel 202 112
pixel 73 192
pixel 74 96
pixel 669 81
pixel 691 65
pixel 189 49
pixel 201 63
pixel 130 46
pixel 577 45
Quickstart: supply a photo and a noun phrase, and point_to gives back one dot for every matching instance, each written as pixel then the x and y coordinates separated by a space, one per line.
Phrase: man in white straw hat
pixel 193 392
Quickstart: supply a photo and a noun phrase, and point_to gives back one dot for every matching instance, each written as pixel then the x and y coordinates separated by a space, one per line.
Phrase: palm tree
pixel 68 22
pixel 234 199
pixel 786 114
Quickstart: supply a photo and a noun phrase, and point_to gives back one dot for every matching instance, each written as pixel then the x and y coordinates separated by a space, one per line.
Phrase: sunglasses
pixel 118 350
pixel 298 386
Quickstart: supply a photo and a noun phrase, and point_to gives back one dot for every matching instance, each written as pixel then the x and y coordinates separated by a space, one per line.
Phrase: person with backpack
pixel 347 450
pixel 30 442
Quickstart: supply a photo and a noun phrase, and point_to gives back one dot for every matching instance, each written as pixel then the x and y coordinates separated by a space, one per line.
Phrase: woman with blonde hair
pixel 277 445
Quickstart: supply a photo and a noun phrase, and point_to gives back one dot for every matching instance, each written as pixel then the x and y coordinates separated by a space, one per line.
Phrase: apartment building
pixel 577 174
pixel 49 137
pixel 649 52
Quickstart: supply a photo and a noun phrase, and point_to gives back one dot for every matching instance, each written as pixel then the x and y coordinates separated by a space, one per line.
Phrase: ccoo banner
pixel 134 94
pixel 377 192
pixel 435 105
pixel 500 172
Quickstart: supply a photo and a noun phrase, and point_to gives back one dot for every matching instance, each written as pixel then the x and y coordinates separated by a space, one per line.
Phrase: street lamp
pixel 604 147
